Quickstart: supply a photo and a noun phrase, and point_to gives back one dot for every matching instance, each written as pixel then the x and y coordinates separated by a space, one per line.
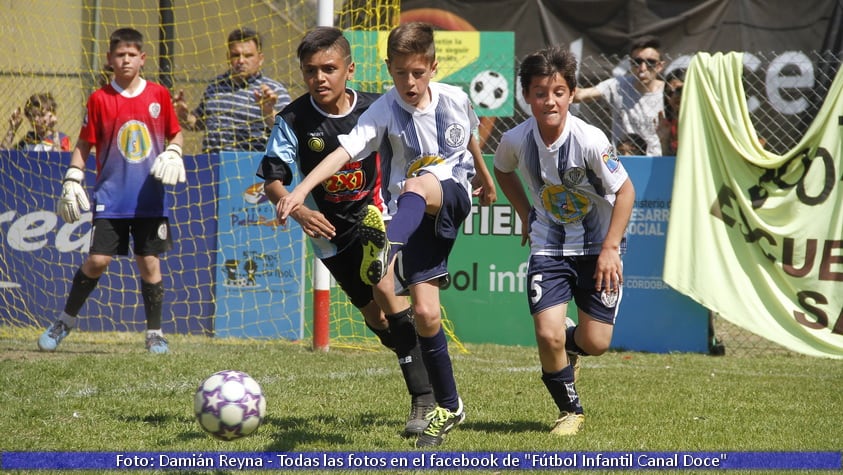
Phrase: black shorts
pixel 345 267
pixel 151 236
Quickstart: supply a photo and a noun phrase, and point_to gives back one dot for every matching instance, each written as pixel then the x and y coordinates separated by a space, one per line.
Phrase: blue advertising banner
pixel 424 460
pixel 260 283
pixel 653 317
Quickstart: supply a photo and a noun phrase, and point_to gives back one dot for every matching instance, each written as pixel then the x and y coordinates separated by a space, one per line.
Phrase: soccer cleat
pixel 441 422
pixel 573 358
pixel 568 423
pixel 416 422
pixel 375 246
pixel 50 339
pixel 156 343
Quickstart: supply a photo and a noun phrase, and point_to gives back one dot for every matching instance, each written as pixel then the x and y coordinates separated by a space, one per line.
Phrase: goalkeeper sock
pixel 153 302
pixel 80 289
pixel 409 353
pixel 560 385
pixel 407 219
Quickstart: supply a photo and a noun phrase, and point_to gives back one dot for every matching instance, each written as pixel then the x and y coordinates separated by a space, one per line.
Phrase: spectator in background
pixel 632 144
pixel 238 108
pixel 636 99
pixel 669 119
pixel 40 109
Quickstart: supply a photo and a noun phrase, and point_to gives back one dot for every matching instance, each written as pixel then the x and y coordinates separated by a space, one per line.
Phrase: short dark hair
pixel 547 62
pixel 129 36
pixel 643 42
pixel 245 34
pixel 322 38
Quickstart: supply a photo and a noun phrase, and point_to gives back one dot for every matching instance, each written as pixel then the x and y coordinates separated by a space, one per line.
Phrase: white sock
pixel 68 320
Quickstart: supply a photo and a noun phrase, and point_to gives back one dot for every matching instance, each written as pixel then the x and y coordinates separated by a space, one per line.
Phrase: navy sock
pixel 406 220
pixel 438 363
pixel 560 385
pixel 571 344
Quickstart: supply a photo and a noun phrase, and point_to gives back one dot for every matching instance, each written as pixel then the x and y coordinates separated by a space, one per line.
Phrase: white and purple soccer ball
pixel 229 405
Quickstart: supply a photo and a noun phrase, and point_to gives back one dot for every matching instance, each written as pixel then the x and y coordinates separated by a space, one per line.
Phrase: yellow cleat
pixel 568 424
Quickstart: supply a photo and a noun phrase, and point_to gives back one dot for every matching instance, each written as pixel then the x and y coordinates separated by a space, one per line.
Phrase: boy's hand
pixel 313 223
pixel 169 166
pixel 287 204
pixel 73 197
pixel 16 119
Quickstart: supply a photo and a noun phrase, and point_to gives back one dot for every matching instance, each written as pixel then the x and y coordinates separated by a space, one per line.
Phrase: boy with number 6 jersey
pixel 129 122
pixel 580 201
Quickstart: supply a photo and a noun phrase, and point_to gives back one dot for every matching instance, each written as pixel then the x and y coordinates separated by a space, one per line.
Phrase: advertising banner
pixel 260 282
pixel 481 63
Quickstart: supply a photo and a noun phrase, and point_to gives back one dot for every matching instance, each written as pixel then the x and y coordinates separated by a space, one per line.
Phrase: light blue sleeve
pixel 282 143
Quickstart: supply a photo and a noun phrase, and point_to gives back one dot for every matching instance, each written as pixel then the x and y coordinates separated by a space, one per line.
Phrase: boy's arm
pixel 312 222
pixel 326 169
pixel 587 94
pixel 15 121
pixel 608 273
pixel 486 191
pixel 512 188
pixel 73 197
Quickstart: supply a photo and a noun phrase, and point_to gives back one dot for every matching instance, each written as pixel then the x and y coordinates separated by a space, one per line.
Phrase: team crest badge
pixel 316 144
pixel 454 135
pixel 155 110
pixel 609 298
pixel 573 177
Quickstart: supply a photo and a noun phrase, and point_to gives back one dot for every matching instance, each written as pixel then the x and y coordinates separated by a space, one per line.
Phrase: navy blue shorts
pixel 425 256
pixel 151 236
pixel 555 280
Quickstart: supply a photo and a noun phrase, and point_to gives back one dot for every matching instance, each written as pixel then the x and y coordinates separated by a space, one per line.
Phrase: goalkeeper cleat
pixel 156 343
pixel 50 339
pixel 375 247
pixel 416 422
pixel 568 423
pixel 441 422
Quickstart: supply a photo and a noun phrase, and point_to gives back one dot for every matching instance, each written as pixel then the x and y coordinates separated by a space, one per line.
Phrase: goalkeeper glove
pixel 73 196
pixel 169 166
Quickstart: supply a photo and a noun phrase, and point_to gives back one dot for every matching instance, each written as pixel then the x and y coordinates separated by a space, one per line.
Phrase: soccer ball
pixel 229 405
pixel 489 89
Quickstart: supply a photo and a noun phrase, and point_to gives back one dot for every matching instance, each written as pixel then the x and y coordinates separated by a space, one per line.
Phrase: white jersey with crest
pixel 572 185
pixel 432 140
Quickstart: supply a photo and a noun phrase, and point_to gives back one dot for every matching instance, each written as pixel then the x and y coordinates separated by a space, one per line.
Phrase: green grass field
pixel 102 392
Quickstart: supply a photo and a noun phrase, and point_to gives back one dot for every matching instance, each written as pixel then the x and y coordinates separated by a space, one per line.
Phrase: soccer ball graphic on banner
pixel 229 405
pixel 489 89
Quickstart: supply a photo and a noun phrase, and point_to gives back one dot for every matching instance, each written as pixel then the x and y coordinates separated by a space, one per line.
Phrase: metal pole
pixel 166 43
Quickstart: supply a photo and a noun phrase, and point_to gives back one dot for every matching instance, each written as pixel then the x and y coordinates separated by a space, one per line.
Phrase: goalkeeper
pixel 127 122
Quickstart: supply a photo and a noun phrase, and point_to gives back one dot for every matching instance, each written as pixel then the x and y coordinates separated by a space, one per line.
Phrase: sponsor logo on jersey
pixel 316 144
pixel 564 205
pixel 419 163
pixel 134 141
pixel 610 159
